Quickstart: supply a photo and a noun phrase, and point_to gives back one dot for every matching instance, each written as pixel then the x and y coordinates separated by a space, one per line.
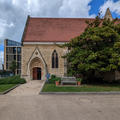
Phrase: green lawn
pixel 5 87
pixel 82 88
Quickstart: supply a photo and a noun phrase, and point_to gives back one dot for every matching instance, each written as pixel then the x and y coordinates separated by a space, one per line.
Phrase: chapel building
pixel 40 51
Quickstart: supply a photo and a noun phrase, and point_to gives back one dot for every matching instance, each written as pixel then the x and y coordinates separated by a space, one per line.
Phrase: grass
pixel 82 88
pixel 5 87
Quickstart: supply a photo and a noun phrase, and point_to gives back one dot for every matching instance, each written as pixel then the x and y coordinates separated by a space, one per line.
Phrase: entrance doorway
pixel 36 73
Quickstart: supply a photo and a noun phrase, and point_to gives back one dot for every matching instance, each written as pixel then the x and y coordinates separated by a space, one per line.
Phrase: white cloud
pixel 3 26
pixel 1 58
pixel 114 6
pixel 75 8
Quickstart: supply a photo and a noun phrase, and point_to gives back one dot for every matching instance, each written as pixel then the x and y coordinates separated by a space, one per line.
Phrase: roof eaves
pixel 25 29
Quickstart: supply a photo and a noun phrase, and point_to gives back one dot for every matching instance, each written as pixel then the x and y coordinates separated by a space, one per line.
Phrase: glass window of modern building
pixel 19 50
pixel 12 52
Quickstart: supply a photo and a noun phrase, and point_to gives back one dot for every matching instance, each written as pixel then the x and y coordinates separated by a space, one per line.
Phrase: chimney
pixel 108 15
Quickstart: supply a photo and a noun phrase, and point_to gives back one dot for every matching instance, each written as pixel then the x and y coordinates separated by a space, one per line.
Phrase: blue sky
pixel 96 4
pixel 13 13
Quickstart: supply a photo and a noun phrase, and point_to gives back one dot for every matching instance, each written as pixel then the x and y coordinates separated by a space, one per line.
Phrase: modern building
pixel 12 52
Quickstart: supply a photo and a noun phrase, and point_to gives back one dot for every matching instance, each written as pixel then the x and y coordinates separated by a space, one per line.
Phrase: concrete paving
pixel 30 88
pixel 60 107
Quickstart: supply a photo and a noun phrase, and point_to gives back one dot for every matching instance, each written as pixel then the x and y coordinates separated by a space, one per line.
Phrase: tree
pixel 13 67
pixel 96 50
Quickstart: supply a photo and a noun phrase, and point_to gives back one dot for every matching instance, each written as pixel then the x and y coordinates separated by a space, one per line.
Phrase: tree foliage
pixel 13 67
pixel 97 49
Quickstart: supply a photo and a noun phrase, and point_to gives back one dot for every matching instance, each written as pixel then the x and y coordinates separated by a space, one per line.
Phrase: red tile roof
pixel 53 29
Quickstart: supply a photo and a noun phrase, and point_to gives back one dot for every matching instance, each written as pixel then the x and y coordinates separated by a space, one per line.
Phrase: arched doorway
pixel 36 73
pixel 36 69
pixel 36 60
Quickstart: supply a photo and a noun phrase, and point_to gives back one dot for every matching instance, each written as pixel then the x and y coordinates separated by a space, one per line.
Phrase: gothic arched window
pixel 54 59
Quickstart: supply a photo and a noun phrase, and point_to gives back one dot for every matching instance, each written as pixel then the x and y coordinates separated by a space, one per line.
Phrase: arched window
pixel 54 59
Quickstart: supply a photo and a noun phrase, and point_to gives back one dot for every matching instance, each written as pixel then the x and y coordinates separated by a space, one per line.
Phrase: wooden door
pixel 35 73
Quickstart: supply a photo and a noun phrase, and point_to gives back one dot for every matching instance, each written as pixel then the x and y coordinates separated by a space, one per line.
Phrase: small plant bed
pixel 82 88
pixel 5 87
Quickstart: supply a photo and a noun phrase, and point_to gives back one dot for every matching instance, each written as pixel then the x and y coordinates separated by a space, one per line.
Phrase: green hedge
pixel 12 80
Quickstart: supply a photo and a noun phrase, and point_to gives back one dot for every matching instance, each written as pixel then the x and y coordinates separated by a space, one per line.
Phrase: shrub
pixel 12 80
pixel 53 76
pixel 57 79
pixel 79 79
pixel 53 79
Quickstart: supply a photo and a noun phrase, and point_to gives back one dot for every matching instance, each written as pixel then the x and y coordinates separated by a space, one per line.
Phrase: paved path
pixel 60 107
pixel 31 88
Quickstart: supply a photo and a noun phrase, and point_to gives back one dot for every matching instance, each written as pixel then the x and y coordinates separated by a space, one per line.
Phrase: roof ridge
pixel 57 18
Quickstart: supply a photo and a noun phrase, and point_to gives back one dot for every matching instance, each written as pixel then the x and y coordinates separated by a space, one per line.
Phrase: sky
pixel 13 14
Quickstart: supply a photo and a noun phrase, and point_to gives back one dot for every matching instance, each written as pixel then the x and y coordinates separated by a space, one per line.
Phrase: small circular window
pixel 36 53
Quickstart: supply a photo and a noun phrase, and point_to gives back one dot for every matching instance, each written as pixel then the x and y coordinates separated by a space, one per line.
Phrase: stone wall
pixel 46 52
